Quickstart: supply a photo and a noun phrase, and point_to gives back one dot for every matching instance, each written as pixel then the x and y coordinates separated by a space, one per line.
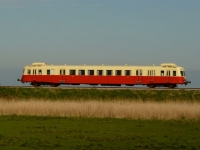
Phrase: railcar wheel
pixel 171 86
pixel 53 85
pixel 151 86
pixel 35 84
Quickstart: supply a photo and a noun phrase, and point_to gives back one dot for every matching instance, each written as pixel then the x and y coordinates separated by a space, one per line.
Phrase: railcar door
pixel 34 75
pixel 62 76
pixel 151 76
pixel 168 77
pixel 139 77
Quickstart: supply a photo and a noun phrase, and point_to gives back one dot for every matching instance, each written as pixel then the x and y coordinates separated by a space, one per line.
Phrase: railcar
pixel 166 75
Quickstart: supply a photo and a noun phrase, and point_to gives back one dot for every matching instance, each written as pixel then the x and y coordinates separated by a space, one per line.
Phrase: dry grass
pixel 118 109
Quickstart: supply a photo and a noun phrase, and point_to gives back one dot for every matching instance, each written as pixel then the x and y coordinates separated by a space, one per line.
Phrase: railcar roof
pixel 36 64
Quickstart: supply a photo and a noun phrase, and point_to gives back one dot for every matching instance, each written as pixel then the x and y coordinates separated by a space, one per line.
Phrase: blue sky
pixel 133 32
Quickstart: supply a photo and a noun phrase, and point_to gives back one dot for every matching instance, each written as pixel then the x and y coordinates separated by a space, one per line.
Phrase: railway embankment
pixel 18 93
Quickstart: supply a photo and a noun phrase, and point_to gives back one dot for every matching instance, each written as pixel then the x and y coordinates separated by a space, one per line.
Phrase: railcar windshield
pixel 29 71
pixel 182 73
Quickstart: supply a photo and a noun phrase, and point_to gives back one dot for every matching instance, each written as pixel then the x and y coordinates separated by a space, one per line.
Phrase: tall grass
pixel 103 109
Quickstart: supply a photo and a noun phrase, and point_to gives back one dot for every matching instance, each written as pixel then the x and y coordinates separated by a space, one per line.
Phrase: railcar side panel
pixel 77 79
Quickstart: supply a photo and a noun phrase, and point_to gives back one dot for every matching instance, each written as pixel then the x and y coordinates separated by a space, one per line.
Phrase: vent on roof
pixel 169 65
pixel 38 64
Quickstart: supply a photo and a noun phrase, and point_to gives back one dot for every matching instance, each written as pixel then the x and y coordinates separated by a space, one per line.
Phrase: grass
pixel 82 119
pixel 27 133
pixel 98 94
pixel 103 109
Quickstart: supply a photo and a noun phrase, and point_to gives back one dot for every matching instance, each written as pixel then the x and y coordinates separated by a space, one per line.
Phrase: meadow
pixel 61 133
pixel 40 118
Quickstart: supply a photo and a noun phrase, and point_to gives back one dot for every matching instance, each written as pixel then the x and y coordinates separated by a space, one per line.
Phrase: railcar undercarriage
pixel 37 84
pixel 170 86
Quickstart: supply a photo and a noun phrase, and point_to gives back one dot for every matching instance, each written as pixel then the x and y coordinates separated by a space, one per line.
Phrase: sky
pixel 110 32
pixel 133 32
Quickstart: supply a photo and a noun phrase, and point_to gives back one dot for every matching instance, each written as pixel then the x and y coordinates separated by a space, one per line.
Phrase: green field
pixel 25 132
pixel 98 94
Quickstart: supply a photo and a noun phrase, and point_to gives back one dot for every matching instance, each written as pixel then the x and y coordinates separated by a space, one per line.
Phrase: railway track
pixel 102 87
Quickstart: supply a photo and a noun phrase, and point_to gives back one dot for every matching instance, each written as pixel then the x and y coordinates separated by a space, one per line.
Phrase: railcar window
pixel 81 72
pixel 48 72
pixel 62 72
pixel 52 72
pixel 162 73
pixel 34 72
pixel 108 72
pixel 138 72
pixel 118 72
pixel 29 71
pixel 40 72
pixel 100 72
pixel 90 72
pixel 174 73
pixel 168 72
pixel 182 73
pixel 127 72
pixel 72 72
pixel 151 73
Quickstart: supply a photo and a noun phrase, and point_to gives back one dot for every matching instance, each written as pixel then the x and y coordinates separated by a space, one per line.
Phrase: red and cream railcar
pixel 165 75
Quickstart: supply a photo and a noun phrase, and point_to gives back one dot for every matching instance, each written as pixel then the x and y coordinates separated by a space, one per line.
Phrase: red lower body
pixel 103 80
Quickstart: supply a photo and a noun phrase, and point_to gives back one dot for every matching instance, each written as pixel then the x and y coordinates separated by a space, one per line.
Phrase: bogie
pixel 171 86
pixel 53 85
pixel 151 86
